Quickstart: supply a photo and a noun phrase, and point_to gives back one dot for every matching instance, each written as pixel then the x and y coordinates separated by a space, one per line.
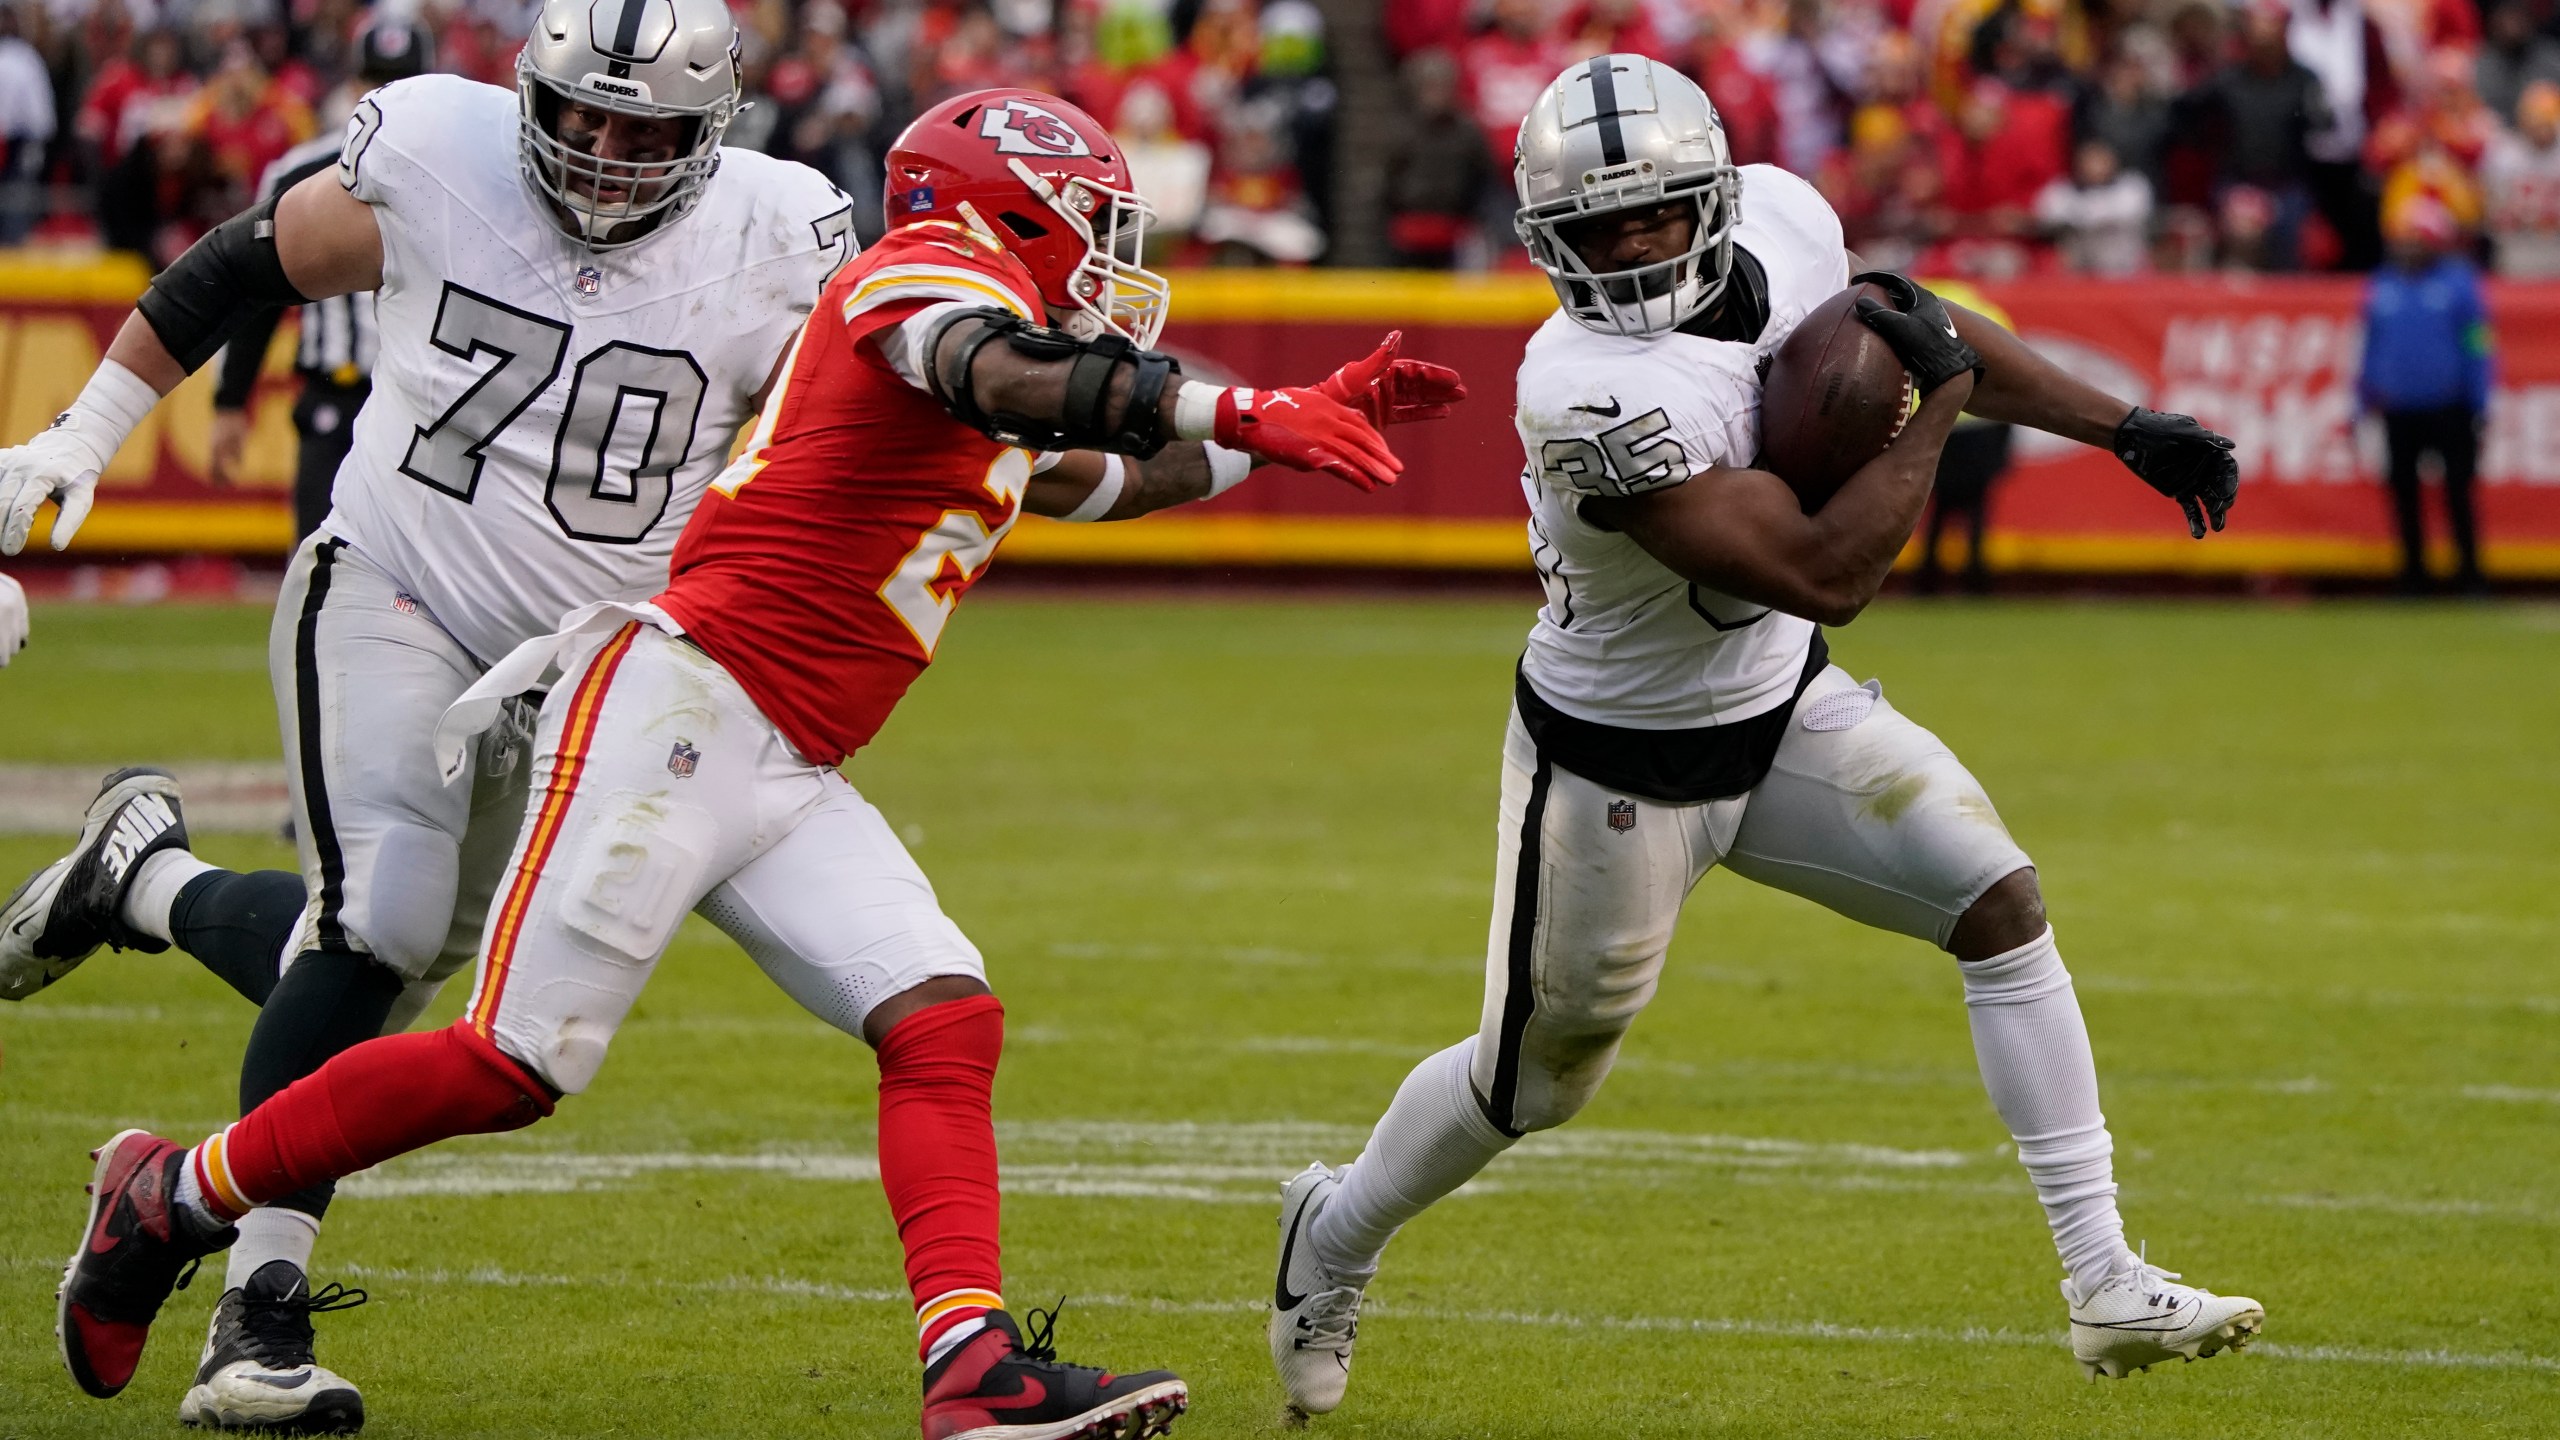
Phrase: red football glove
pixel 1306 430
pixel 1391 390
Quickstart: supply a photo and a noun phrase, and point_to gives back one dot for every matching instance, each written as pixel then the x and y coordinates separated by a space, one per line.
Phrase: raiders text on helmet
pixel 656 58
pixel 1044 180
pixel 1622 132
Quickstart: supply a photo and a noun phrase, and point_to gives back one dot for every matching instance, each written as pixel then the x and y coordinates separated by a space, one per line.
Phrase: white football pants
pixel 396 863
pixel 658 788
pixel 1863 812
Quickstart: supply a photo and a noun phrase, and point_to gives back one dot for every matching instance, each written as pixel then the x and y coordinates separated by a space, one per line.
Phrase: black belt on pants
pixel 1681 767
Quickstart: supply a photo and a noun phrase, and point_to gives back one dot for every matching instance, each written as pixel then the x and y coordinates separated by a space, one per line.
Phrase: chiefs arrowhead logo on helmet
pixel 1021 128
pixel 1052 189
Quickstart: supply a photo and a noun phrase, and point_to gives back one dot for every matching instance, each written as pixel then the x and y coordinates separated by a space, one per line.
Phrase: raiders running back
pixel 544 414
pixel 1623 641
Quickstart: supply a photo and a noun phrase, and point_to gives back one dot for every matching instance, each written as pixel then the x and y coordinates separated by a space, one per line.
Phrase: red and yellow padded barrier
pixel 2270 361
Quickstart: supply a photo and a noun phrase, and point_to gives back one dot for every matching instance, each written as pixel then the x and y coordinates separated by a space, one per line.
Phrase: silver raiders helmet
pixel 653 58
pixel 1621 132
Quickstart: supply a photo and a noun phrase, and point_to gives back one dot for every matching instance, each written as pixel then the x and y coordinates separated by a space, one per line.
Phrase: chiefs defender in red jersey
pixel 990 356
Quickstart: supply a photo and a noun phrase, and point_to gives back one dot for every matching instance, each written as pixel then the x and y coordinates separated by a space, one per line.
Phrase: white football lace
pixel 1330 1317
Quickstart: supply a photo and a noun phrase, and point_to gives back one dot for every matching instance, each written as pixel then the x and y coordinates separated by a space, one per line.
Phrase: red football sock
pixel 383 1098
pixel 938 1158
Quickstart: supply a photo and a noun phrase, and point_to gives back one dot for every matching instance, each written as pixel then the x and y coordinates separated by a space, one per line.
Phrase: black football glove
pixel 2182 460
pixel 1918 328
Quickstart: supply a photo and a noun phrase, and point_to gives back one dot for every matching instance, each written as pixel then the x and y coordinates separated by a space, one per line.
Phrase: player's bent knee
pixel 564 1054
pixel 2006 916
pixel 406 906
pixel 500 1090
pixel 886 1016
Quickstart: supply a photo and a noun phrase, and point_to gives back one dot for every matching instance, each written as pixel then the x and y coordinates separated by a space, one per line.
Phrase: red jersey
pixel 822 564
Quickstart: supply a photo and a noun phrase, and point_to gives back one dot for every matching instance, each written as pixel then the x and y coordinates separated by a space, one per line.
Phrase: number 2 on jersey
pixel 589 497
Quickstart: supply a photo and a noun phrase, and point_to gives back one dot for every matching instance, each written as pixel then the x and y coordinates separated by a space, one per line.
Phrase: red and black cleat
pixel 131 1256
pixel 994 1387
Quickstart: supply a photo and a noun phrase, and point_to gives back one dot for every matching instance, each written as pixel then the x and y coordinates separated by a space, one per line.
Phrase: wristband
pixel 110 406
pixel 1227 468
pixel 1105 494
pixel 1195 410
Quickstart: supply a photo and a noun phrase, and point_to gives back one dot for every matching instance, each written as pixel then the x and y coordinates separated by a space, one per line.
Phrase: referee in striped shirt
pixel 334 355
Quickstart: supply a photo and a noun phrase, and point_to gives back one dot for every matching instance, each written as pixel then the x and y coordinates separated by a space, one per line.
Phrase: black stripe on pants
pixel 309 748
pixel 1520 988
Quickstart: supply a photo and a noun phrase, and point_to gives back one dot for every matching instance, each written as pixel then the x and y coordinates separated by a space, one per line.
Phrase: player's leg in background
pixel 1587 887
pixel 324 416
pixel 239 925
pixel 1870 815
pixel 844 921
pixel 2403 442
pixel 2458 442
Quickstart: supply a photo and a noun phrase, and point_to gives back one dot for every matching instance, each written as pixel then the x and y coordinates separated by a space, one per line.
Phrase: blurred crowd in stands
pixel 1984 138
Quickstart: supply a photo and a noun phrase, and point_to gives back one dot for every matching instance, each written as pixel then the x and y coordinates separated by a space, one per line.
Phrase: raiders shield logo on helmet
pixel 1622 815
pixel 1021 128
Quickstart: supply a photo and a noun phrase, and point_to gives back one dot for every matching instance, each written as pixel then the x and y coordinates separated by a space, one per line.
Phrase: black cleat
pixel 66 910
pixel 994 1387
pixel 258 1373
pixel 138 1247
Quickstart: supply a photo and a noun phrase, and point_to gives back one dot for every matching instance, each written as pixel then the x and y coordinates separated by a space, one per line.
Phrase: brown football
pixel 1835 398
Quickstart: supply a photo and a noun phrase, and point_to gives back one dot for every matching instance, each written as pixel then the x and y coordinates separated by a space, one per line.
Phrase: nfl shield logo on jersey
pixel 589 281
pixel 682 759
pixel 1622 815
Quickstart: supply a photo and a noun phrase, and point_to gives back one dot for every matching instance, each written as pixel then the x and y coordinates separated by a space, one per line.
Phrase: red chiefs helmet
pixel 1049 184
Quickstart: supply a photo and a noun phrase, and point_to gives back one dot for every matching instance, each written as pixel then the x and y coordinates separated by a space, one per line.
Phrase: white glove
pixel 13 620
pixel 62 464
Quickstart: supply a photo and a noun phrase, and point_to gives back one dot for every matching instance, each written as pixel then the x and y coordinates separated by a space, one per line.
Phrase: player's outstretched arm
pixel 1383 386
pixel 2172 453
pixel 315 240
pixel 1043 389
pixel 1743 532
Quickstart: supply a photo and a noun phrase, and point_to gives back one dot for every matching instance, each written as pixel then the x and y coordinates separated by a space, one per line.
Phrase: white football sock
pixel 271 1232
pixel 155 887
pixel 1433 1139
pixel 2034 1052
pixel 949 1340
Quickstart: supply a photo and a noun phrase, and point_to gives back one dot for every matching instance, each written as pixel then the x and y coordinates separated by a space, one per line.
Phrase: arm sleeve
pixel 243 356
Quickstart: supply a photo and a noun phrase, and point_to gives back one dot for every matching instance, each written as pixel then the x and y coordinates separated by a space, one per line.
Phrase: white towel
pixel 529 666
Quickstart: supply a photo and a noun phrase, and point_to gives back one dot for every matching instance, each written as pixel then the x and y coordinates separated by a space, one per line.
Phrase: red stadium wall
pixel 2268 361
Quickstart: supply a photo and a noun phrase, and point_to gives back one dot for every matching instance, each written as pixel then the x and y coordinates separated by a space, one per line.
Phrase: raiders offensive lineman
pixel 1676 710
pixel 581 297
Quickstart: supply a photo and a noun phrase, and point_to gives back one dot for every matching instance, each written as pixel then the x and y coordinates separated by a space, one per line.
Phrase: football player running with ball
pixel 1676 710
pixel 988 357
pixel 581 298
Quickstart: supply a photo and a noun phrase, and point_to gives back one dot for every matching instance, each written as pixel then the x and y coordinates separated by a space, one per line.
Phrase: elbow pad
pixel 1083 422
pixel 221 283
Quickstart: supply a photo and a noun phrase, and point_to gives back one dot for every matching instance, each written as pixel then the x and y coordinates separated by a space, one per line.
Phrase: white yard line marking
pixel 1813 1330
pixel 222 796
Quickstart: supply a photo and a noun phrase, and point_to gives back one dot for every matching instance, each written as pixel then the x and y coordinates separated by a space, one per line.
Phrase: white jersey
pixel 544 416
pixel 1622 640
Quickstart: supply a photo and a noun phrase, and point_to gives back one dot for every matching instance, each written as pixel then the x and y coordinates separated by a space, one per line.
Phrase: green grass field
pixel 1230 863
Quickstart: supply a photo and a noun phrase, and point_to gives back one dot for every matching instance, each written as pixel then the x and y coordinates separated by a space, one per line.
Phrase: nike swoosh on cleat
pixel 294 1381
pixel 1031 1393
pixel 1280 1295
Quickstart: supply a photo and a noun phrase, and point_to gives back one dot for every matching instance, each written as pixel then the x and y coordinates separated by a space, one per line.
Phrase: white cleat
pixel 2142 1315
pixel 257 1372
pixel 1313 1315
